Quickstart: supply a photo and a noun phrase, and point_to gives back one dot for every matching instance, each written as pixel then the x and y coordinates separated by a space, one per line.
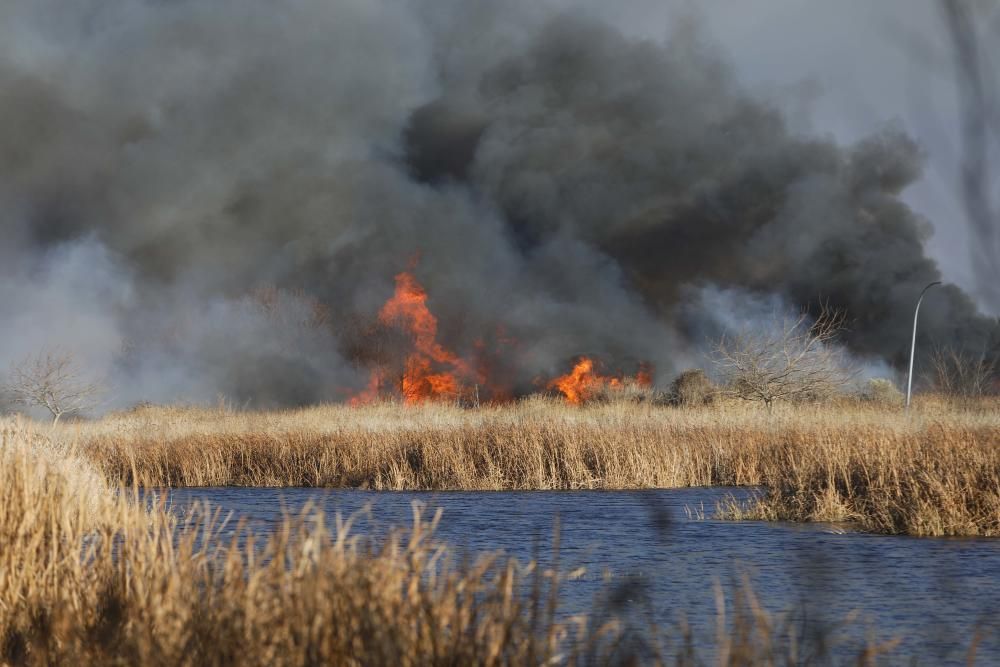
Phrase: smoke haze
pixel 213 197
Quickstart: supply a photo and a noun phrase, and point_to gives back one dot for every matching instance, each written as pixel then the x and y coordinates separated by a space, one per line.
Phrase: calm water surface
pixel 931 593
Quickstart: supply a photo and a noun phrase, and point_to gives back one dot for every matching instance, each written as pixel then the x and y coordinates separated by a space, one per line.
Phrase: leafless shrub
pixel 52 379
pixel 692 387
pixel 786 359
pixel 882 391
pixel 958 373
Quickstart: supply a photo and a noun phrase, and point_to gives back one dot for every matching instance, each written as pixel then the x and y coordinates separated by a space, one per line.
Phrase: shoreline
pixel 935 471
pixel 182 594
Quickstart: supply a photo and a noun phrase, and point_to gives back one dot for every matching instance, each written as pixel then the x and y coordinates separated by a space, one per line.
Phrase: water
pixel 930 593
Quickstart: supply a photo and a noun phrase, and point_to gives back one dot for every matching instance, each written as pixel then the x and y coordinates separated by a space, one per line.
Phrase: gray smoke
pixel 212 197
pixel 976 60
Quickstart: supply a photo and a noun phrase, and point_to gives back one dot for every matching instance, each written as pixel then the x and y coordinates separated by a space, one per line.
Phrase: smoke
pixel 710 313
pixel 212 197
pixel 977 83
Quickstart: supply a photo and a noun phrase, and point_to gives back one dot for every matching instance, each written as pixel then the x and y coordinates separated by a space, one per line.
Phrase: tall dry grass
pixel 934 477
pixel 89 577
pixel 932 471
pixel 537 444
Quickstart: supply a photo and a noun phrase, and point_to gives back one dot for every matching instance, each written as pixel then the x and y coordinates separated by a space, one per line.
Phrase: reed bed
pixel 940 477
pixel 93 577
pixel 932 471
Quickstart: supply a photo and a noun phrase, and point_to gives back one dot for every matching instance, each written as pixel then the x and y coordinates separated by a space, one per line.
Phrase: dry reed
pixel 933 471
pixel 89 577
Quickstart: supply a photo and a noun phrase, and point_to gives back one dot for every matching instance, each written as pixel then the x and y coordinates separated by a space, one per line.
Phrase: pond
pixel 931 593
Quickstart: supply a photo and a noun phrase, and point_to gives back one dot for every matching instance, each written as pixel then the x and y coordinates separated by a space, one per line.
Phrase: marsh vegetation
pixel 92 577
pixel 932 471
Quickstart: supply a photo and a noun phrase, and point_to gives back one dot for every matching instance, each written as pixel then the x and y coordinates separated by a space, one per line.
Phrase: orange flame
pixel 421 380
pixel 583 382
pixel 431 371
pixel 579 384
pixel 373 390
pixel 644 377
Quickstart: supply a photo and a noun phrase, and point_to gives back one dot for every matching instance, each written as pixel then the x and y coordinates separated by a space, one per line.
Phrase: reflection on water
pixel 932 593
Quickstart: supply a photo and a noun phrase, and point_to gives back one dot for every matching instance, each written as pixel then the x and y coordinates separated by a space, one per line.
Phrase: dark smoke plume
pixel 212 197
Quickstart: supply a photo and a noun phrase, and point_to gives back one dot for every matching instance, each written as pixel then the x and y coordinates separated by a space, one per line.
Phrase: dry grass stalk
pixel 119 585
pixel 935 471
pixel 89 578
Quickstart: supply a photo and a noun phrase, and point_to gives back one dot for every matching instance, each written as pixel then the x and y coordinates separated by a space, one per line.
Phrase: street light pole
pixel 913 342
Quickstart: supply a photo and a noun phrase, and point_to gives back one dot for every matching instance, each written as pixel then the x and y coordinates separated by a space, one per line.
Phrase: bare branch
pixel 53 380
pixel 958 373
pixel 787 359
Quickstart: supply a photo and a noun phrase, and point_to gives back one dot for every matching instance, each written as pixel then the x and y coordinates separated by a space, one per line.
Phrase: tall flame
pixel 579 384
pixel 431 371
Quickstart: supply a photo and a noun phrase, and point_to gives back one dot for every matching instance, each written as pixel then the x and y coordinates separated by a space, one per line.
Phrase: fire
pixel 583 382
pixel 374 389
pixel 644 377
pixel 431 370
pixel 580 383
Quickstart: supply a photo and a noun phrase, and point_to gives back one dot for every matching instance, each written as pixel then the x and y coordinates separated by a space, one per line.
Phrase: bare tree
pixel 959 373
pixel 53 380
pixel 785 359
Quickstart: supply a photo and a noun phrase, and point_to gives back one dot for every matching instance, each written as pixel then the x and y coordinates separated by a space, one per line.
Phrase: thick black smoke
pixel 211 197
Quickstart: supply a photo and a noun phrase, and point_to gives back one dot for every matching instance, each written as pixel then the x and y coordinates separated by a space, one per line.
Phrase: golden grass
pixel 89 577
pixel 124 586
pixel 933 471
pixel 938 476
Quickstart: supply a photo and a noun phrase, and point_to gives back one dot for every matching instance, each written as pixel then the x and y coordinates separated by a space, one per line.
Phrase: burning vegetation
pixel 584 383
pixel 427 370
pixel 430 370
pixel 648 185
